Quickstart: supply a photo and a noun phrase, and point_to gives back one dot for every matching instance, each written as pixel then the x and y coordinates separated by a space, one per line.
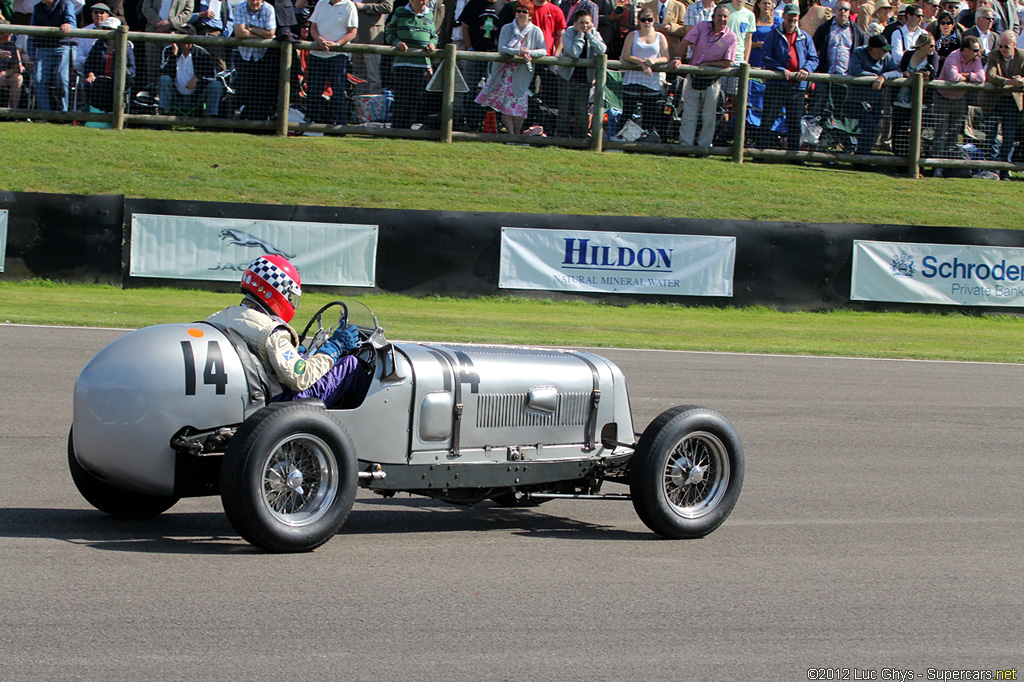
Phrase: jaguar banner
pixel 616 262
pixel 949 274
pixel 207 248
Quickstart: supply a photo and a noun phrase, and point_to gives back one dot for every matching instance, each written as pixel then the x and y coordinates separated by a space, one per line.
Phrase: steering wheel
pixel 323 334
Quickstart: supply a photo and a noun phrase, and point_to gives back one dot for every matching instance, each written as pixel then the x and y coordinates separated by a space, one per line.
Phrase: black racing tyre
pixel 111 499
pixel 289 478
pixel 687 472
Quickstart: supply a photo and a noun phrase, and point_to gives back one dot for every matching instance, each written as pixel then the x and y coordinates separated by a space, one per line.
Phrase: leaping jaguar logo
pixel 239 238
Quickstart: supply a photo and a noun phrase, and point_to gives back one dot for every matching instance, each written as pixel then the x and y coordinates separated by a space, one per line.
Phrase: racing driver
pixel 271 288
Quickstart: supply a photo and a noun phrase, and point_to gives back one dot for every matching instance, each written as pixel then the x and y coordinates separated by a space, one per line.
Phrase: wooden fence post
pixel 597 111
pixel 916 111
pixel 739 113
pixel 448 67
pixel 284 88
pixel 120 77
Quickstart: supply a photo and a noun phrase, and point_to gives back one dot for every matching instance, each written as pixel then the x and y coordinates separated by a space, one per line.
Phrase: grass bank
pixel 408 174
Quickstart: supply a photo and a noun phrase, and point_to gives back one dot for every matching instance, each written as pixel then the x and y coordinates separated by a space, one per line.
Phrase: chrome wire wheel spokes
pixel 300 480
pixel 696 474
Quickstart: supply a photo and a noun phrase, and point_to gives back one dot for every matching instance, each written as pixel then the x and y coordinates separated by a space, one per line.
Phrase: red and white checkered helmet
pixel 275 283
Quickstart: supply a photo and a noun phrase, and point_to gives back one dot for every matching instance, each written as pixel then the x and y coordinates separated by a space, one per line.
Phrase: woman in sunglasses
pixel 922 59
pixel 948 36
pixel 950 106
pixel 508 84
pixel 645 47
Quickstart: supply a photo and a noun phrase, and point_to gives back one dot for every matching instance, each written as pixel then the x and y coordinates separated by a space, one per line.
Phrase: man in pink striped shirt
pixel 950 108
pixel 713 45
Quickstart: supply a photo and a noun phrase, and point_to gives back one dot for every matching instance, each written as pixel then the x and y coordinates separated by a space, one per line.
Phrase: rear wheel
pixel 111 499
pixel 687 472
pixel 289 478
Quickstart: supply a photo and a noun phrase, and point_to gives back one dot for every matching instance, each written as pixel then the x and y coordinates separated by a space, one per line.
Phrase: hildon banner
pixel 948 274
pixel 616 262
pixel 202 248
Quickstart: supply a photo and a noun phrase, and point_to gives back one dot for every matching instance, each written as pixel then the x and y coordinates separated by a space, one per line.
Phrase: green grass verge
pixel 407 174
pixel 990 338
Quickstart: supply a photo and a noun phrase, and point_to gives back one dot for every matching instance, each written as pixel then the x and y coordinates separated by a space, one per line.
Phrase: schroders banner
pixel 187 247
pixel 3 237
pixel 616 262
pixel 949 274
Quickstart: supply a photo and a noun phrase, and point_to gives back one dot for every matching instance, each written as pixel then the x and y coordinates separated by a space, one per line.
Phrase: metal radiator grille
pixel 501 410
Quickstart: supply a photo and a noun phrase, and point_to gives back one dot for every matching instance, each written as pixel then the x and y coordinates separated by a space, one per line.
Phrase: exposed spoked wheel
pixel 300 480
pixel 686 474
pixel 111 499
pixel 289 478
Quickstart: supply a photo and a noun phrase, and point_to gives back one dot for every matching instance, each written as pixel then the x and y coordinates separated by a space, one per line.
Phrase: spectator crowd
pixel 972 41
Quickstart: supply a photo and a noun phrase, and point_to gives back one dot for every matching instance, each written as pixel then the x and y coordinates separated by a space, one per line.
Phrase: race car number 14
pixel 214 373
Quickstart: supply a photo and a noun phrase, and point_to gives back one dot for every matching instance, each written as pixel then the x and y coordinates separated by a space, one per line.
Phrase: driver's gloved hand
pixel 347 337
pixel 332 348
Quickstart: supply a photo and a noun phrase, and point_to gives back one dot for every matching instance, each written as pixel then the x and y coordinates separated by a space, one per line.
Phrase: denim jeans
pixel 1007 113
pixel 779 96
pixel 319 71
pixel 865 105
pixel 53 68
pixel 471 113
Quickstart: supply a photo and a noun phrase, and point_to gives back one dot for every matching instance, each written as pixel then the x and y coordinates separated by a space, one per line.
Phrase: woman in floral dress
pixel 509 83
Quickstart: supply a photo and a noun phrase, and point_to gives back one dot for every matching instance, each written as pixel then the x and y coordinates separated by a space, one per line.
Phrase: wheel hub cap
pixel 695 476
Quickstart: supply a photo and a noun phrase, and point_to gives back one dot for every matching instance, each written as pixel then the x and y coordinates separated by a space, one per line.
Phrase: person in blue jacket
pixel 865 101
pixel 790 51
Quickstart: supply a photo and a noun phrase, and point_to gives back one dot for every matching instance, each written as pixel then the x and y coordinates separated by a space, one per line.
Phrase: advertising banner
pixel 949 274
pixel 201 248
pixel 616 262
pixel 3 237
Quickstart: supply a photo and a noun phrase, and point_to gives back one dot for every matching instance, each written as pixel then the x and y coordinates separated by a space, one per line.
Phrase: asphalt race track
pixel 880 530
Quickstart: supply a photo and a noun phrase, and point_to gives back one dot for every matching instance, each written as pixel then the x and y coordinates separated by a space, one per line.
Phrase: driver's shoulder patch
pixel 300 366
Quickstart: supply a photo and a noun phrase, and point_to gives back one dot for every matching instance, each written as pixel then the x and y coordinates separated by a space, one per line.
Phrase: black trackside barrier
pixel 790 266
pixel 65 237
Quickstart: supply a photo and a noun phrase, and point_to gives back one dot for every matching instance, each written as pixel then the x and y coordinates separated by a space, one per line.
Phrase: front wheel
pixel 289 478
pixel 111 499
pixel 686 474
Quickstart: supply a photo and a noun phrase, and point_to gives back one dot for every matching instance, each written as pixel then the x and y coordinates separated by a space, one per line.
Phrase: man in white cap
pixel 100 13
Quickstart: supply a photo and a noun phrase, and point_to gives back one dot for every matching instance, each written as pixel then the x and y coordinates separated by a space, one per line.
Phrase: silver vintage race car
pixel 181 410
